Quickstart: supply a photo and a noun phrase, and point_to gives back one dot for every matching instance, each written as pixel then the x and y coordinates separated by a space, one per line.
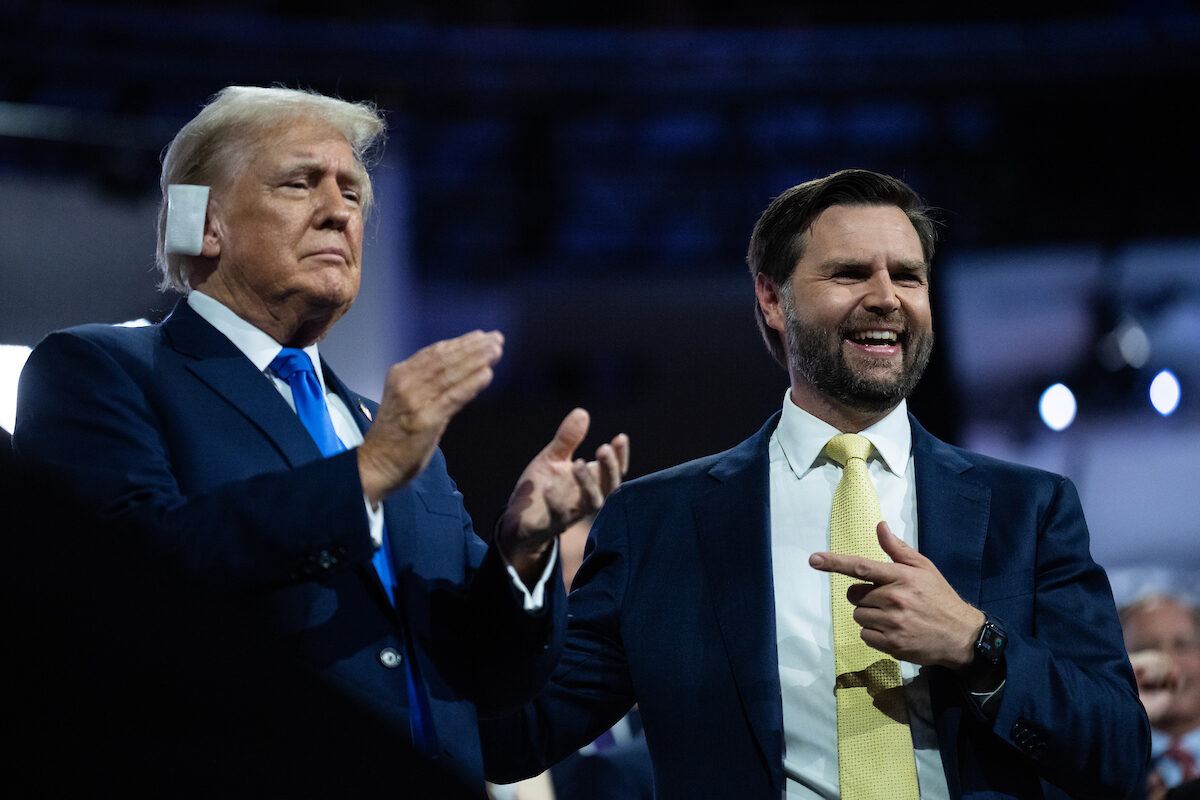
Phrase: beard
pixel 817 355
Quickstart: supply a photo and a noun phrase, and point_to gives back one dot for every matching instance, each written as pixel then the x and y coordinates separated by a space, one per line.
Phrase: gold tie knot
pixel 845 446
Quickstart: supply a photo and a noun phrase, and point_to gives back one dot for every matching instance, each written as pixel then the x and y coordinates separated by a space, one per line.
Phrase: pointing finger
pixel 896 548
pixel 863 569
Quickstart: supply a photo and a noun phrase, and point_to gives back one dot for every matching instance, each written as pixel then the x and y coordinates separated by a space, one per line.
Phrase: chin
pixel 335 292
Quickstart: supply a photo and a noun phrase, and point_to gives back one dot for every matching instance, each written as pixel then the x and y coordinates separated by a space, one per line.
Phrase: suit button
pixel 390 657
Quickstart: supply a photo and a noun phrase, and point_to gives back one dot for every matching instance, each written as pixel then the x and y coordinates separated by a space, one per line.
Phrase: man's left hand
pixel 906 608
pixel 556 490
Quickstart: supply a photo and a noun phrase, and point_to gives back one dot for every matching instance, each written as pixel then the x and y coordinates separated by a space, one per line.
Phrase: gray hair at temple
pixel 218 143
pixel 781 233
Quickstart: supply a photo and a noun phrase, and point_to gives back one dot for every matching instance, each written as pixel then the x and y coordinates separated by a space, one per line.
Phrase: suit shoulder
pixel 698 474
pixel 681 472
pixel 112 339
pixel 993 470
pixel 741 459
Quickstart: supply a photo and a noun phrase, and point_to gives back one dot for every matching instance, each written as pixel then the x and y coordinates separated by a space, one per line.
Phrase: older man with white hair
pixel 276 583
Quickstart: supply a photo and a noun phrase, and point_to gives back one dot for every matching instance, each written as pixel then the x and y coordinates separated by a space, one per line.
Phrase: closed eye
pixel 851 275
pixel 909 278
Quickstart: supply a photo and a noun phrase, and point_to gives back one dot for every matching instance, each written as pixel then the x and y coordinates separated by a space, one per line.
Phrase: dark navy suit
pixel 218 569
pixel 674 608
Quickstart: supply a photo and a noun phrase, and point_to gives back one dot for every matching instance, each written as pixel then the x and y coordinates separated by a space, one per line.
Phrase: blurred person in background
pixel 1162 634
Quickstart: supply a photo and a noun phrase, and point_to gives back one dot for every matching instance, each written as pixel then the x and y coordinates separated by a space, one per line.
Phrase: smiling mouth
pixel 874 338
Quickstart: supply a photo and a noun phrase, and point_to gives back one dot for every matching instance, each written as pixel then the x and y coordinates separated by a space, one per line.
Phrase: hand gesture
pixel 420 395
pixel 906 608
pixel 557 489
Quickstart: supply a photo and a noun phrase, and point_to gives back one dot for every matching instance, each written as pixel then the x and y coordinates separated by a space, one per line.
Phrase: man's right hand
pixel 420 396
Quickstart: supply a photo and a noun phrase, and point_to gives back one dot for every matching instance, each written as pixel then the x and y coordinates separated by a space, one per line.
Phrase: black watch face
pixel 991 642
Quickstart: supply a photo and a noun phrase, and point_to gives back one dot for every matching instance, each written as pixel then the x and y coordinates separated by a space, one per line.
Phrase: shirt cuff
pixel 987 702
pixel 375 520
pixel 535 598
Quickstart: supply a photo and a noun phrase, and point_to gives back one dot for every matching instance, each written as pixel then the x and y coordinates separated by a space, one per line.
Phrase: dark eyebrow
pixel 914 266
pixel 841 263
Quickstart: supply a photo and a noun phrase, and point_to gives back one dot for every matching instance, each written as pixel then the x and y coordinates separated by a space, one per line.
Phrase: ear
pixel 770 301
pixel 211 243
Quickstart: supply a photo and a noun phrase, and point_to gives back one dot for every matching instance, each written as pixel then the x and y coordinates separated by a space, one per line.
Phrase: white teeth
pixel 882 336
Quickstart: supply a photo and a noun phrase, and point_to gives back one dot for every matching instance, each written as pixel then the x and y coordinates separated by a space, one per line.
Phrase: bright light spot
pixel 1126 345
pixel 12 361
pixel 1134 344
pixel 1164 392
pixel 1057 407
pixel 134 323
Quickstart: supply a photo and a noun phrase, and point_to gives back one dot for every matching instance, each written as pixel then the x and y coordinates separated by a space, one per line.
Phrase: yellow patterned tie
pixel 875 750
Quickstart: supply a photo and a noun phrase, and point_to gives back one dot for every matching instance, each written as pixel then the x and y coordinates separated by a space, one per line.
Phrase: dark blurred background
pixel 585 179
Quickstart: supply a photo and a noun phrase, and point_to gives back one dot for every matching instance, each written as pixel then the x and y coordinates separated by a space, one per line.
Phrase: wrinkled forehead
pixel 287 141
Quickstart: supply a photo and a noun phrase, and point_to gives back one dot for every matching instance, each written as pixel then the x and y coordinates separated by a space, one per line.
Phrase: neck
pixel 291 326
pixel 845 418
pixel 1177 727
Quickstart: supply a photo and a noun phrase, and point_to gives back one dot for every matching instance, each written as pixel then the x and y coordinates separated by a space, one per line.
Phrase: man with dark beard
pixel 960 642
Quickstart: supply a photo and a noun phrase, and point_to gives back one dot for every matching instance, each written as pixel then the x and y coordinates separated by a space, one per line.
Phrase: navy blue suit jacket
pixel 674 608
pixel 225 559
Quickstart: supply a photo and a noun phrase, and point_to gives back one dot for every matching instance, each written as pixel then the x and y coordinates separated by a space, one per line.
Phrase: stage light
pixel 12 361
pixel 1057 407
pixel 1165 392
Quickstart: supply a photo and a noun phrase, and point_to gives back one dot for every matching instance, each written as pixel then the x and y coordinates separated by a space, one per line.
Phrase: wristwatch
pixel 989 647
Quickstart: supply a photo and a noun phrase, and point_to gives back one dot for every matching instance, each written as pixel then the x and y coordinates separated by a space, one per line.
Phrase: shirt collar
pixel 803 438
pixel 257 345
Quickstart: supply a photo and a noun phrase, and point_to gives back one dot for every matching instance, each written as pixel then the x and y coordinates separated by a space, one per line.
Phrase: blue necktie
pixel 296 368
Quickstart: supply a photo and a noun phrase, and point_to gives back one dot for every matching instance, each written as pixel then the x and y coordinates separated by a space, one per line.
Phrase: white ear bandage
pixel 186 206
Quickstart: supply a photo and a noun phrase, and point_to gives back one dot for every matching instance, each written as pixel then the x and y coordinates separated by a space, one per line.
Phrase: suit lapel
pixel 952 512
pixel 362 410
pixel 223 368
pixel 732 523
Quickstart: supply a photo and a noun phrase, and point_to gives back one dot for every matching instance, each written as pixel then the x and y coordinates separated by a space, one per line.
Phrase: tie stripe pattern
pixel 875 751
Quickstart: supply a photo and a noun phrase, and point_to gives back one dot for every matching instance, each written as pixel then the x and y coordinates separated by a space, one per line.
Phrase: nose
pixel 333 210
pixel 881 293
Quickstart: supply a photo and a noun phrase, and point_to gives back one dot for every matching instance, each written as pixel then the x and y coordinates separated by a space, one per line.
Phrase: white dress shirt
pixel 802 483
pixel 261 349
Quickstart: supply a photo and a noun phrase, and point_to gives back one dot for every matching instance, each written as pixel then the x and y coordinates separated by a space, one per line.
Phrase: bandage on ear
pixel 186 206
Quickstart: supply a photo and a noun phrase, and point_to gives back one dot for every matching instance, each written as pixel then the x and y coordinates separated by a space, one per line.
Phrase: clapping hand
pixel 557 489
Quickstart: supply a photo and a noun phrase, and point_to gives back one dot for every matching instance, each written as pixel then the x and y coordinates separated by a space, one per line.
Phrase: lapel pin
pixel 366 413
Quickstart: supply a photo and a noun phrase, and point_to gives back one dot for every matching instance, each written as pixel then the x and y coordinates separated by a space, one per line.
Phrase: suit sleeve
pixel 591 687
pixel 1070 702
